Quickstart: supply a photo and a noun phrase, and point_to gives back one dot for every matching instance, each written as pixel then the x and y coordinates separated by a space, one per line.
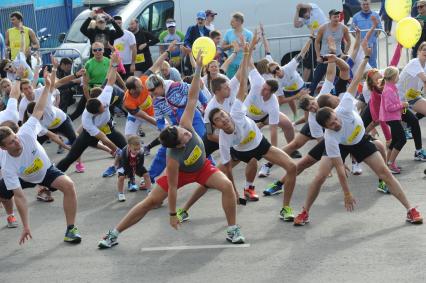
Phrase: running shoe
pixel 408 134
pixel 182 215
pixel 296 154
pixel 250 194
pixel 273 189
pixel 79 167
pixel 414 217
pixel 108 241
pixel 121 197
pixel 420 156
pixel 383 188
pixel 394 169
pixel 264 171
pixel 72 236
pixel 45 195
pixel 234 235
pixel 142 185
pixel 132 187
pixel 11 221
pixel 109 172
pixel 356 169
pixel 302 218
pixel 287 214
pixel 146 150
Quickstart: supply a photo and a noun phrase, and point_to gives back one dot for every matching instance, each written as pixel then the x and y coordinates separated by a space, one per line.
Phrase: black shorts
pixel 140 172
pixel 318 151
pixel 292 92
pixel 306 131
pixel 263 120
pixel 359 151
pixel 310 58
pixel 209 146
pixel 258 152
pixel 51 175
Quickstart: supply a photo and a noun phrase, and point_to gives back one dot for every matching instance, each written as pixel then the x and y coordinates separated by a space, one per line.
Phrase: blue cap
pixel 201 15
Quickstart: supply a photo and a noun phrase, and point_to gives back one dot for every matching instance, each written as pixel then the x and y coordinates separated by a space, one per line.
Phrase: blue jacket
pixel 193 33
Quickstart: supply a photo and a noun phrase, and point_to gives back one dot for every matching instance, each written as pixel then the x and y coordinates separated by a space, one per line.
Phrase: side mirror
pixel 61 37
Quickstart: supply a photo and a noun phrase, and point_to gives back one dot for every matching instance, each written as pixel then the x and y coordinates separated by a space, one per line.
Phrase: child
pixel 391 109
pixel 131 164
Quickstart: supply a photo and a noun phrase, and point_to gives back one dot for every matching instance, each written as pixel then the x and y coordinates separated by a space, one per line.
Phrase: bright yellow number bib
pixel 194 156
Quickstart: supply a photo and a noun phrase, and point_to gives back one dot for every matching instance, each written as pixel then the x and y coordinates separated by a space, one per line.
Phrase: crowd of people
pixel 200 109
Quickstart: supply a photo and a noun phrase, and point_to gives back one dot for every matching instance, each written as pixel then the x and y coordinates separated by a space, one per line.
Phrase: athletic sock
pixel 248 184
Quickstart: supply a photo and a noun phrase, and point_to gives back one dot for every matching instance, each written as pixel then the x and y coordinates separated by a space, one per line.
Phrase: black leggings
pixel 66 129
pixel 412 122
pixel 366 116
pixel 81 105
pixel 83 141
pixel 398 135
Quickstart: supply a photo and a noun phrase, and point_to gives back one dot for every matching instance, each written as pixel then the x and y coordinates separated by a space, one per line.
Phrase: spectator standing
pixel 144 40
pixel 66 92
pixel 209 19
pixel 101 33
pixel 126 46
pixel 363 21
pixel 421 17
pixel 386 19
pixel 232 35
pixel 168 36
pixel 13 37
pixel 313 17
pixel 98 66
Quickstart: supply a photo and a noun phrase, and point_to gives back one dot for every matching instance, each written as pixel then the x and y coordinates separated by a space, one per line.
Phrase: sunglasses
pixel 420 6
pixel 97 49
pixel 274 71
pixel 200 19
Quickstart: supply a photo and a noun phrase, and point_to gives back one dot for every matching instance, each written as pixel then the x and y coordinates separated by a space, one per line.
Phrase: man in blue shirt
pixel 362 20
pixel 232 35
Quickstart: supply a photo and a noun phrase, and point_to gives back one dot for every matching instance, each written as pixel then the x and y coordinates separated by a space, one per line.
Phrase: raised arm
pixel 112 72
pixel 357 43
pixel 264 40
pixel 232 57
pixel 347 38
pixel 42 102
pixel 318 43
pixel 296 20
pixel 194 90
pixel 157 64
pixel 70 78
pixel 360 72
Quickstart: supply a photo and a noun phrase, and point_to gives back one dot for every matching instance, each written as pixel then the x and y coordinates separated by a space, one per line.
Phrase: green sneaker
pixel 72 236
pixel 383 188
pixel 273 189
pixel 182 215
pixel 286 214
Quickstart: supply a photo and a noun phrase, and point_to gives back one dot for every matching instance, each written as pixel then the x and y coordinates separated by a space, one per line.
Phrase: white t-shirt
pixel 316 19
pixel 315 128
pixel 352 130
pixel 409 84
pixel 210 26
pixel 123 45
pixel 257 107
pixel 23 104
pixel 246 136
pixel 234 85
pixel 11 111
pixel 292 80
pixel 32 164
pixel 93 124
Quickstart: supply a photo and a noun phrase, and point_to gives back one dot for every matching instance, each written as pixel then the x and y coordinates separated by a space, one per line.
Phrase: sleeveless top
pixel 337 35
pixel 15 41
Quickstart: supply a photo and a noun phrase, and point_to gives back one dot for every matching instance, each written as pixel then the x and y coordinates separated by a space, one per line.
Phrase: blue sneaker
pixel 72 236
pixel 383 188
pixel 109 172
pixel 273 189
pixel 420 155
pixel 132 187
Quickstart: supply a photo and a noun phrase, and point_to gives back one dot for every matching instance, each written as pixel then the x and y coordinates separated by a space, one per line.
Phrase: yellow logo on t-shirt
pixel 194 156
pixel 105 129
pixel 250 136
pixel 147 103
pixel 292 87
pixel 36 166
pixel 140 58
pixel 119 47
pixel 355 133
pixel 254 110
pixel 412 94
pixel 55 123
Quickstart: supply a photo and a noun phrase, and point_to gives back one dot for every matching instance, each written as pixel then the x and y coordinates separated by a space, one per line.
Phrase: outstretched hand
pixel 367 50
pixel 25 236
pixel 199 59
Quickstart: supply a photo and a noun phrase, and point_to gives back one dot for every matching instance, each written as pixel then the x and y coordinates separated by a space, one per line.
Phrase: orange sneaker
pixel 302 218
pixel 250 194
pixel 12 222
pixel 414 217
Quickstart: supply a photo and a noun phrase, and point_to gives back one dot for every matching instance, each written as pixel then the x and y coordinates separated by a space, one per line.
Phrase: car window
pixel 153 18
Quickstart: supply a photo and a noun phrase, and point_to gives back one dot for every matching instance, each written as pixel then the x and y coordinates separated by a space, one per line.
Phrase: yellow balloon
pixel 206 46
pixel 408 32
pixel 398 9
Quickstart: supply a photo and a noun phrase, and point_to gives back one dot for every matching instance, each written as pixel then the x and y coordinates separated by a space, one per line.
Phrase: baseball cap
pixel 201 15
pixel 171 24
pixel 333 12
pixel 210 12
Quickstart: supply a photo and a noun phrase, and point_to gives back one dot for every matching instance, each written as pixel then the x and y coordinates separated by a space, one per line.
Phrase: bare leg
pixel 66 186
pixel 287 127
pixel 292 105
pixel 420 106
pixel 299 141
pixel 120 183
pixel 8 205
pixel 325 167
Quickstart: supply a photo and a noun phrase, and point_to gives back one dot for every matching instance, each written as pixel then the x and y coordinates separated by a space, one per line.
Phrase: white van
pixel 275 15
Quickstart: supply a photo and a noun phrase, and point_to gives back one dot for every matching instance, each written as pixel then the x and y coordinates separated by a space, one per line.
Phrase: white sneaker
pixel 356 169
pixel 265 171
pixel 121 197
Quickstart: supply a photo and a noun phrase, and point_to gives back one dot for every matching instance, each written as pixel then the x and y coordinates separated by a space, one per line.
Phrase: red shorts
pixel 201 176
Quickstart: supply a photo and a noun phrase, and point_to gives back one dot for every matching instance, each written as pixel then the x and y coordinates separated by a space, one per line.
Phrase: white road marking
pixel 203 247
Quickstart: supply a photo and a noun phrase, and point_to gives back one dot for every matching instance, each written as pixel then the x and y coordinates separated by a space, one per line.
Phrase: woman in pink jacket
pixel 391 109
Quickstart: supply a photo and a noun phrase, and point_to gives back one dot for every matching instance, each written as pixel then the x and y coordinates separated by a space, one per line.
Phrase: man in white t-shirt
pixel 344 135
pixel 241 140
pixel 126 46
pixel 25 163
